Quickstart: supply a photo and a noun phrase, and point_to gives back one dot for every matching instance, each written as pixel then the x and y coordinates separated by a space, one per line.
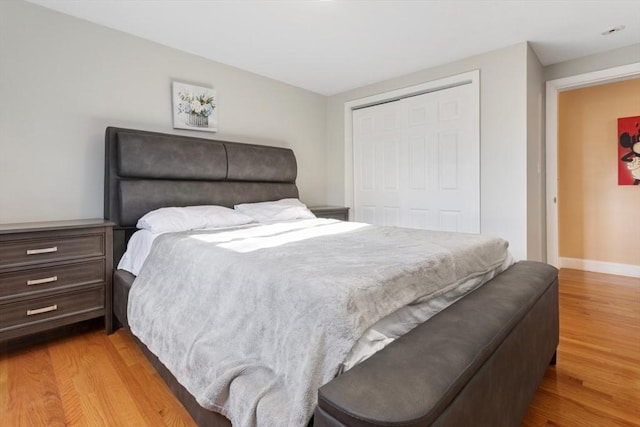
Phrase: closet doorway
pixel 416 159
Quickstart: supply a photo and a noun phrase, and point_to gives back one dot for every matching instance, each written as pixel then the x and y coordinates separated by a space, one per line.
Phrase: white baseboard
pixel 630 270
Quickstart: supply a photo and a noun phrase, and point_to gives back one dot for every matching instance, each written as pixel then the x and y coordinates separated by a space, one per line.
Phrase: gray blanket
pixel 253 321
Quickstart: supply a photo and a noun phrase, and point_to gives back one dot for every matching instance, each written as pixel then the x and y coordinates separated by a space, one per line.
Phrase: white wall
pixel 503 134
pixel 63 80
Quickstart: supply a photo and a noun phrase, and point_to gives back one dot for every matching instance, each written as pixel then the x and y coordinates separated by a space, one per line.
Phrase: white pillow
pixel 280 210
pixel 219 216
pixel 166 220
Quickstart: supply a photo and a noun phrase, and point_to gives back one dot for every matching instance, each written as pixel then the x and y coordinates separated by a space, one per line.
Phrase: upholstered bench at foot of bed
pixel 479 362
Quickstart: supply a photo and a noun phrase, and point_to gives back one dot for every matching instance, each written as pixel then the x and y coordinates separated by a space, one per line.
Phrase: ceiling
pixel 330 47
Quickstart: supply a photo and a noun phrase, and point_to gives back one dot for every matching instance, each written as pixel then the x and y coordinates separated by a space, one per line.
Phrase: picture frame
pixel 629 150
pixel 194 107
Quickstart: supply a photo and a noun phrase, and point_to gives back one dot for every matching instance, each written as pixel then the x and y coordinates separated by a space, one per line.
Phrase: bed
pixel 479 359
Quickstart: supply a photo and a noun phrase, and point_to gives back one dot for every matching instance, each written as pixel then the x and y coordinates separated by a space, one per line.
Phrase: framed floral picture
pixel 194 107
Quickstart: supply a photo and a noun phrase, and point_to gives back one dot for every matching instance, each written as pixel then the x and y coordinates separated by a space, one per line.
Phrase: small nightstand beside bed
pixel 306 287
pixel 52 274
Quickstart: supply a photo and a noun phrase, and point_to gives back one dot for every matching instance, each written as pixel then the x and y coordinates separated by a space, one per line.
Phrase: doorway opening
pixel 554 87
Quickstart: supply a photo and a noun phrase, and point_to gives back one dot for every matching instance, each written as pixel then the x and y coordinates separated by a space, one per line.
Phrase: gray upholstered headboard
pixel 147 170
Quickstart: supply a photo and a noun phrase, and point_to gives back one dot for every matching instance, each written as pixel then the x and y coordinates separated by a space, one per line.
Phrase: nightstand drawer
pixel 333 212
pixel 37 280
pixel 36 251
pixel 27 312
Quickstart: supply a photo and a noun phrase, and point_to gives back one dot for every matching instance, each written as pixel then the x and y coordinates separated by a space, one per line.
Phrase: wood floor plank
pixel 110 392
pixel 602 397
pixel 34 399
pixel 154 402
pixel 571 412
pixel 4 389
pixel 65 362
pixel 125 347
pixel 596 381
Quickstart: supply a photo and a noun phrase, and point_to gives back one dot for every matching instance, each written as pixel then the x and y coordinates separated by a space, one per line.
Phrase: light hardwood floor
pixel 596 381
pixel 90 379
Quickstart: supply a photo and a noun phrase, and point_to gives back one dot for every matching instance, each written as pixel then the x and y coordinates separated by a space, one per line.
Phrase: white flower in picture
pixel 194 107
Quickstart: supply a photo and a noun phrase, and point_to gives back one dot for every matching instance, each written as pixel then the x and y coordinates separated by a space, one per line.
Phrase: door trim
pixel 551 145
pixel 471 77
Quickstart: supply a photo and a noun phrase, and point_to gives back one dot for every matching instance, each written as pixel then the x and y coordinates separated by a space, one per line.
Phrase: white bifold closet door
pixel 417 162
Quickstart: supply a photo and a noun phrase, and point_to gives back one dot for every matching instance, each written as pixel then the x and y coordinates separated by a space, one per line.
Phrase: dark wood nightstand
pixel 53 274
pixel 334 212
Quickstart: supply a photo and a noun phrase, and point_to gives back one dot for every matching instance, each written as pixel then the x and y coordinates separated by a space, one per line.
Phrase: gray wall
pixel 597 62
pixel 503 135
pixel 536 214
pixel 63 80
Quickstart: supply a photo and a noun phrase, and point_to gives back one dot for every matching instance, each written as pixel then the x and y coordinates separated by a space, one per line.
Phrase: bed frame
pixel 477 362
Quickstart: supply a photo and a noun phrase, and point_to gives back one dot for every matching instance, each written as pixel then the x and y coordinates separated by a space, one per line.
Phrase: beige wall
pixel 597 218
pixel 63 80
pixel 503 134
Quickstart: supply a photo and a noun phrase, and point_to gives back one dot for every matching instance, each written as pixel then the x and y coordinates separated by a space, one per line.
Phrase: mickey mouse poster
pixel 629 151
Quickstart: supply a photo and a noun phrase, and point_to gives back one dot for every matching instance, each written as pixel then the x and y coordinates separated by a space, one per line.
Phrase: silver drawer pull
pixel 42 310
pixel 42 281
pixel 42 251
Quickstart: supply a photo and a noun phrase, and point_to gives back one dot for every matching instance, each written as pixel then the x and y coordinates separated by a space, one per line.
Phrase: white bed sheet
pixel 137 251
pixel 377 336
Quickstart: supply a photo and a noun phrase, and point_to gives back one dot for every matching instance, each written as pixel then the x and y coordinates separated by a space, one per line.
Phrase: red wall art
pixel 629 151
